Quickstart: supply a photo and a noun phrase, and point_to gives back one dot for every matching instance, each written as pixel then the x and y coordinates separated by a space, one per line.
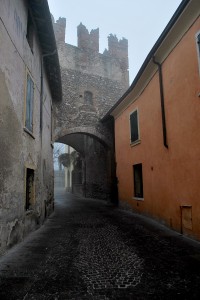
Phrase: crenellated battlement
pixel 59 29
pixel 86 40
pixel 89 41
pixel 85 57
pixel 118 49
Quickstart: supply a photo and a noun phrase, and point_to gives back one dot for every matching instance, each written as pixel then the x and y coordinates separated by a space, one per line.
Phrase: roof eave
pixel 42 18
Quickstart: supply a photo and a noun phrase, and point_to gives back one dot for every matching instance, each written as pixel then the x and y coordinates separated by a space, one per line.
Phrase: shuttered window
pixel 29 103
pixel 134 126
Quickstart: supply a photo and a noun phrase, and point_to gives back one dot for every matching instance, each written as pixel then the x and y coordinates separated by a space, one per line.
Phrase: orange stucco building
pixel 157 128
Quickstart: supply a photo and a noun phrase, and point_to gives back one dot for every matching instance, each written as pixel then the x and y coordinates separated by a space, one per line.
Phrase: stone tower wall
pixel 84 69
pixel 92 83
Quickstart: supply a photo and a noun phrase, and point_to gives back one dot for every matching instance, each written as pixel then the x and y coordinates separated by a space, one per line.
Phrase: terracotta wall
pixel 171 177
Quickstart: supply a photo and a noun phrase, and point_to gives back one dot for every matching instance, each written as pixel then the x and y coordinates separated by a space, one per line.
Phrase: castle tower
pixel 92 83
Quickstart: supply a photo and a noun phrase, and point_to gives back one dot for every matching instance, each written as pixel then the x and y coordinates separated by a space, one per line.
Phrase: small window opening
pixel 88 97
pixel 134 126
pixel 138 181
pixel 29 189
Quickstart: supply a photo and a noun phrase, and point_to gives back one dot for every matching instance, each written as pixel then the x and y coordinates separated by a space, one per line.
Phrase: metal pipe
pixel 162 102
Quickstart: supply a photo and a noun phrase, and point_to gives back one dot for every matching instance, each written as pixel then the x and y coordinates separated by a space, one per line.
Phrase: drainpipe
pixel 162 102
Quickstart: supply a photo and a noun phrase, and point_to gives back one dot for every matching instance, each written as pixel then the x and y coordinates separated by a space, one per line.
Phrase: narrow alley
pixel 88 249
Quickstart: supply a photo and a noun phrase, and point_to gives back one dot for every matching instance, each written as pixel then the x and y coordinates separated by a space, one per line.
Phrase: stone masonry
pixel 92 83
pixel 105 76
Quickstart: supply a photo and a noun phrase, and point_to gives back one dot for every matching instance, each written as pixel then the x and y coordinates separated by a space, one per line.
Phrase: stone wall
pixel 92 83
pixel 84 70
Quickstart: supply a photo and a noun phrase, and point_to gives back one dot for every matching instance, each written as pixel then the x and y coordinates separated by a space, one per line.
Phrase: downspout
pixel 162 102
pixel 115 183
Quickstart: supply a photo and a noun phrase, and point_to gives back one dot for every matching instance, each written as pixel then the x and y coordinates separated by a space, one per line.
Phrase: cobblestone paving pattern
pixel 90 250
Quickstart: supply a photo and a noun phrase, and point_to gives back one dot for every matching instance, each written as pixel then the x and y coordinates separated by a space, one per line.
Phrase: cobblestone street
pixel 90 250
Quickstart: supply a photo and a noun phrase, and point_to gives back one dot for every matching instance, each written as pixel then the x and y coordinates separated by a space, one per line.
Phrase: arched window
pixel 88 97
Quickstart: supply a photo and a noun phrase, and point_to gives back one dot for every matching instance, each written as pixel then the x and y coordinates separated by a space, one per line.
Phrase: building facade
pixel 157 125
pixel 27 89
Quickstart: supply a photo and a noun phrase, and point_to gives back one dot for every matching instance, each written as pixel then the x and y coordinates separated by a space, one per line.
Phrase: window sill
pixel 29 133
pixel 135 143
pixel 138 199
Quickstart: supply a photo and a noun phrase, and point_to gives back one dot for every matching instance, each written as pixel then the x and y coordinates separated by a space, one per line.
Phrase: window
pixel 29 103
pixel 138 181
pixel 30 31
pixel 29 189
pixel 134 126
pixel 88 97
pixel 198 48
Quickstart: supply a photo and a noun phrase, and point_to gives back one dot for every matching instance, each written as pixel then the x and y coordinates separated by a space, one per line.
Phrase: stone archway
pixel 99 132
pixel 95 151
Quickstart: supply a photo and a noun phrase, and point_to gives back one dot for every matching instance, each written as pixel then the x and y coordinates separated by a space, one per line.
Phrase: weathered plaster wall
pixel 18 149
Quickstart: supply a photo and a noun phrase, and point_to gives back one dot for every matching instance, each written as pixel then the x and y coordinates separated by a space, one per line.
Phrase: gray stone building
pixel 29 84
pixel 92 83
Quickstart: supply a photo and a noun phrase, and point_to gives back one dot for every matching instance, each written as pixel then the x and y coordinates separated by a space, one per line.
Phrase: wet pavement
pixel 90 250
